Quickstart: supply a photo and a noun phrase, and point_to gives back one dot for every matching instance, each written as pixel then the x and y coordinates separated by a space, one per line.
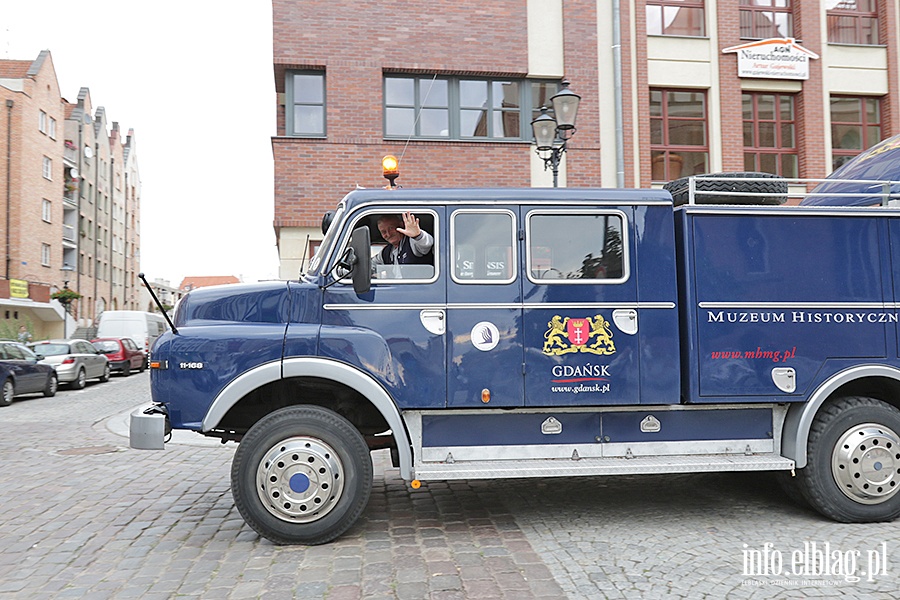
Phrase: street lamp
pixel 66 270
pixel 551 135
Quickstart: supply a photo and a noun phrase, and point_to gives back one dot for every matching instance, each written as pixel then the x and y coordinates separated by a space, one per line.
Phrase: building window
pixel 305 115
pixel 459 108
pixel 42 122
pixel 770 143
pixel 676 17
pixel 48 168
pixel 852 21
pixel 855 126
pixel 52 131
pixel 678 139
pixel 762 19
pixel 45 255
pixel 46 210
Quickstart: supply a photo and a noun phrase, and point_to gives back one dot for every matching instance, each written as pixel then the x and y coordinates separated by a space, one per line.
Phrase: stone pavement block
pixel 163 524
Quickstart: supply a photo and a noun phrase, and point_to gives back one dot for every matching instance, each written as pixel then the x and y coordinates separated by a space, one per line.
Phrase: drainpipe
pixel 79 220
pixel 9 108
pixel 112 206
pixel 96 227
pixel 126 292
pixel 617 75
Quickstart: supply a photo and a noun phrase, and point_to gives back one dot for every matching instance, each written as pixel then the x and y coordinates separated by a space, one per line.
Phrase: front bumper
pixel 149 427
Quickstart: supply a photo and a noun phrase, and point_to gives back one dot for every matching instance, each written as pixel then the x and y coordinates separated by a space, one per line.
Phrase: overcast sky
pixel 193 79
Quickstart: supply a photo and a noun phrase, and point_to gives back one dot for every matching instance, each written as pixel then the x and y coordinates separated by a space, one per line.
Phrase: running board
pixel 568 467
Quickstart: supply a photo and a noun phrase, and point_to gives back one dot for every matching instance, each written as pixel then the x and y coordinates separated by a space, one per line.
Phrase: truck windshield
pixel 332 233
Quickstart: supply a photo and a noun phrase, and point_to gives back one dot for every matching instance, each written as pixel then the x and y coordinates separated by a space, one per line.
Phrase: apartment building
pixel 668 88
pixel 71 186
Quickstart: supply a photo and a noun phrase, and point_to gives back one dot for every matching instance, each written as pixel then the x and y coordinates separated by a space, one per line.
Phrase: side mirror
pixel 327 218
pixel 360 246
pixel 40 357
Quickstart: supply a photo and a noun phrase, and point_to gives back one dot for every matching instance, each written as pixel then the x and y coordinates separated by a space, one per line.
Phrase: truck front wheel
pixel 853 469
pixel 301 475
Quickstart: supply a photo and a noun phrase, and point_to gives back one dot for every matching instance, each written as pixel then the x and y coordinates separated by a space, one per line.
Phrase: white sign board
pixel 774 58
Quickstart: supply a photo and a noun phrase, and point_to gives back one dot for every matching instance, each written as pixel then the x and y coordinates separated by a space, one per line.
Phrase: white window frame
pixel 47 168
pixel 46 210
pixel 45 255
pixel 514 259
pixel 601 211
pixel 42 122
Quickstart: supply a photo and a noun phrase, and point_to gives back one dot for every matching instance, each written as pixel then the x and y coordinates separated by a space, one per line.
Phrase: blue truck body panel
pixel 694 306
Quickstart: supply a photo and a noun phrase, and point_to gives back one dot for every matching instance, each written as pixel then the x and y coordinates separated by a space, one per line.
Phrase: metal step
pixel 646 465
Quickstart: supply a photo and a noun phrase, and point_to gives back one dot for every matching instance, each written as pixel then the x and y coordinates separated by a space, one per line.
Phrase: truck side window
pixel 412 260
pixel 576 246
pixel 483 248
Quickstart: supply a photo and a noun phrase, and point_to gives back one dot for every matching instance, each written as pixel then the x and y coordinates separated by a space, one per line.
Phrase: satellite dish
pixel 73 173
pixel 88 153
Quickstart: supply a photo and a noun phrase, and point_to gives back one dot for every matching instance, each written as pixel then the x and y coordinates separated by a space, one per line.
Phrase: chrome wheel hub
pixel 300 480
pixel 866 463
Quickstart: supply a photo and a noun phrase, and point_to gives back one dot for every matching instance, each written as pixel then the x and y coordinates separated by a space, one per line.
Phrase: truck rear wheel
pixel 853 469
pixel 301 475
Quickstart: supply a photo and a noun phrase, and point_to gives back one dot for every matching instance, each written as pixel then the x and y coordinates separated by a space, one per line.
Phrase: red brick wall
pixel 28 188
pixel 357 42
pixel 728 15
pixel 812 118
pixel 580 55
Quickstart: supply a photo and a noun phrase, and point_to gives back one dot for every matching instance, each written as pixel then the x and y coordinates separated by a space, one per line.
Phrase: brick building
pixel 666 87
pixel 71 190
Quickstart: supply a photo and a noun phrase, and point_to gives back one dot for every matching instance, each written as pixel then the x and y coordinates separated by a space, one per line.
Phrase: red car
pixel 123 354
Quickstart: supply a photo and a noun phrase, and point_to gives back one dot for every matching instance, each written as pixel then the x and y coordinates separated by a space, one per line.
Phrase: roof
pixel 14 69
pixel 190 283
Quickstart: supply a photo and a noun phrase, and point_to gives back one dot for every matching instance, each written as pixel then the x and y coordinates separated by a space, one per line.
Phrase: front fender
pixel 323 369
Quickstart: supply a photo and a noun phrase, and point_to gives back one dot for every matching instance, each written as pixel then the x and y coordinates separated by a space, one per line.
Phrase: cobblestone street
pixel 84 516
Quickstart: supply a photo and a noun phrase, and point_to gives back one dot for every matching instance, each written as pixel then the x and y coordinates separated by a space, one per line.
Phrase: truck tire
pixel 853 469
pixel 764 183
pixel 301 475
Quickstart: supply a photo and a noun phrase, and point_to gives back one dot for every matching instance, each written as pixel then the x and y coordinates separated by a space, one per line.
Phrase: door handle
pixel 434 321
pixel 626 320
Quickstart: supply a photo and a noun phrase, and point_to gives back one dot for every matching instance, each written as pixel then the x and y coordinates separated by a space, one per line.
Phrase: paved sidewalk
pixel 84 516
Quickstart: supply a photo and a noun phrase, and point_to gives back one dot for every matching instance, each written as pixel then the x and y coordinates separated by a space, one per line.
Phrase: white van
pixel 142 327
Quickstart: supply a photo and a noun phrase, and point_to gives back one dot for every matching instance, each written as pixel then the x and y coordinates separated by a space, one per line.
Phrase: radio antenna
pixel 416 120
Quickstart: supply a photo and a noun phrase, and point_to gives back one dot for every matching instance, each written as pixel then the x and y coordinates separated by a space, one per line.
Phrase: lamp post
pixel 551 135
pixel 66 271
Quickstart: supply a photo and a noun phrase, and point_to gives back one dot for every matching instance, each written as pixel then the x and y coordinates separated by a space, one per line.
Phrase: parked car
pixel 75 361
pixel 21 372
pixel 122 353
pixel 142 327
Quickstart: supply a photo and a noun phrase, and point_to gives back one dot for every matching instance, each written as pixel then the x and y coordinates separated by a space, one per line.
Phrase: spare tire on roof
pixel 763 183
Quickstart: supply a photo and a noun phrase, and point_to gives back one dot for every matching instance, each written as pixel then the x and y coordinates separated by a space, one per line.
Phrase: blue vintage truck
pixel 556 333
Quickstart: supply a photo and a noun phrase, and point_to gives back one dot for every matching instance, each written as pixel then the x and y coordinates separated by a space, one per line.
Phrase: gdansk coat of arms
pixel 567 335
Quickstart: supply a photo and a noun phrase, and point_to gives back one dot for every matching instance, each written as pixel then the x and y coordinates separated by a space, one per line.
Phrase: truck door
pixel 580 307
pixel 484 309
pixel 396 331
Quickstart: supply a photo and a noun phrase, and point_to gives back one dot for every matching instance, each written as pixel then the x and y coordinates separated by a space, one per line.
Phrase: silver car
pixel 75 361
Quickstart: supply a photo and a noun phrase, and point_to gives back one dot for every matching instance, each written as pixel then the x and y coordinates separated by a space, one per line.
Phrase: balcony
pixel 69 236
